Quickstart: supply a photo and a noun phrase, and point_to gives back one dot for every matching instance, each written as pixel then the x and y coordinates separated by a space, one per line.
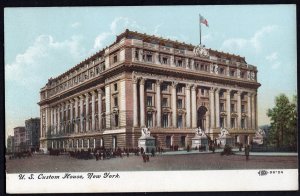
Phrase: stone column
pixel 212 107
pixel 188 105
pixel 158 103
pixel 46 122
pixel 217 97
pixel 71 116
pixel 253 110
pixel 81 112
pixel 174 108
pixel 135 106
pixel 62 118
pixel 87 128
pixel 58 120
pixel 156 58
pixel 228 108
pixel 100 93
pixel 67 128
pixel 76 115
pixel 93 110
pixel 194 107
pixel 249 110
pixel 107 106
pixel 54 120
pixel 142 102
pixel 239 119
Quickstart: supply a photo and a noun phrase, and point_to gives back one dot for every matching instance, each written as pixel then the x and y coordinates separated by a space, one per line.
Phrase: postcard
pixel 151 98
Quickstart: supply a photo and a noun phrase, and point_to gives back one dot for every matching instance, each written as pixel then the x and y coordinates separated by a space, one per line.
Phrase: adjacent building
pixel 32 133
pixel 147 81
pixel 19 139
pixel 10 144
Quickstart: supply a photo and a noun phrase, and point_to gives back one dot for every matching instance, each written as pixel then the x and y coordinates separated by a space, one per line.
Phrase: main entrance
pixel 201 117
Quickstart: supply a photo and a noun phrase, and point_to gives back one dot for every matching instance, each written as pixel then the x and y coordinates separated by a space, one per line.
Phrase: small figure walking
pixel 247 152
pixel 188 148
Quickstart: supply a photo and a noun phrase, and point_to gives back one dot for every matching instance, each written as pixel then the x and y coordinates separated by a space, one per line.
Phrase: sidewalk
pixel 236 152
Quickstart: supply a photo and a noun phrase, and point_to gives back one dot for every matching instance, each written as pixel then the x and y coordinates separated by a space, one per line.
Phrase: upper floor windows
pixel 115 59
pixel 149 85
pixel 164 87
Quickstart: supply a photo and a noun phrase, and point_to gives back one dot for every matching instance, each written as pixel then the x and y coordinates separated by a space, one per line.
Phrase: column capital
pixel 194 86
pixel 81 96
pixel 93 92
pixel 76 99
pixel 100 91
pixel 174 84
pixel 134 79
pixel 86 95
pixel 228 90
pixel 212 89
pixel 142 81
pixel 188 86
pixel 159 82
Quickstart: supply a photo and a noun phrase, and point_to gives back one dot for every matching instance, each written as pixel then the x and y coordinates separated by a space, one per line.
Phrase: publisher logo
pixel 262 173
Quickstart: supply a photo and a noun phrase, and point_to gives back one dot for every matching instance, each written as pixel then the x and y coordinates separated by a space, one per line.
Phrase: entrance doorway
pixel 201 117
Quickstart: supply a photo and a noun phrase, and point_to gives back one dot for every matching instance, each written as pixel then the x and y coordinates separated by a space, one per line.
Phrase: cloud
pixel 44 56
pixel 254 42
pixel 118 25
pixel 273 60
pixel 272 57
pixel 75 25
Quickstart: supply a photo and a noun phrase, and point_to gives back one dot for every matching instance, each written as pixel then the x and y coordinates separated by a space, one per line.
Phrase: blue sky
pixel 44 42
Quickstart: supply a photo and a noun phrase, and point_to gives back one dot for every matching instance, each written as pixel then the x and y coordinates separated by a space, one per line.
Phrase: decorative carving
pixel 216 69
pixel 200 132
pixel 238 73
pixel 145 132
pixel 252 75
pixel 224 132
pixel 159 82
pixel 201 51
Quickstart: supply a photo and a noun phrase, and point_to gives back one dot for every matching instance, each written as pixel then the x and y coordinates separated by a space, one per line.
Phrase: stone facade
pixel 10 144
pixel 145 81
pixel 32 132
pixel 19 139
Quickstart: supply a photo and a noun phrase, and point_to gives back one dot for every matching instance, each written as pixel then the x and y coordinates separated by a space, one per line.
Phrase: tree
pixel 283 118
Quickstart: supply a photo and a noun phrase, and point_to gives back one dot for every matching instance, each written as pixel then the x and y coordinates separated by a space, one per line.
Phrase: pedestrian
pixel 152 152
pixel 213 148
pixel 247 152
pixel 188 148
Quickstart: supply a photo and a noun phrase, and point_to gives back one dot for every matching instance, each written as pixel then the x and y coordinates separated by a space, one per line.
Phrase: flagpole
pixel 200 27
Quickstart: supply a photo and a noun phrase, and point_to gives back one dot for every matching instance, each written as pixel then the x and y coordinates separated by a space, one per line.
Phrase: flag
pixel 203 20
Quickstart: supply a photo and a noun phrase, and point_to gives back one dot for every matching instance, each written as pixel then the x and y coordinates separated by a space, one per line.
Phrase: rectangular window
pixel 116 101
pixel 115 58
pixel 222 109
pixel 164 87
pixel 179 121
pixel 116 87
pixel 165 60
pixel 232 108
pixel 116 120
pixel 232 73
pixel 222 122
pixel 165 120
pixel 179 103
pixel 137 54
pixel 243 123
pixel 149 85
pixel 179 63
pixel 149 100
pixel 179 89
pixel 149 58
pixel 165 102
pixel 202 91
pixel 232 123
pixel 243 108
pixel 149 120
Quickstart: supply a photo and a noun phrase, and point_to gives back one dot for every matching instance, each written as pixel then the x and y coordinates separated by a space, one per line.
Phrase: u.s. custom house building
pixel 147 81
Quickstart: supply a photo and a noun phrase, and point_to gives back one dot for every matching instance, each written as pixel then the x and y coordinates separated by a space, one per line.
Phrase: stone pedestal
pixel 199 141
pixel 226 140
pixel 147 142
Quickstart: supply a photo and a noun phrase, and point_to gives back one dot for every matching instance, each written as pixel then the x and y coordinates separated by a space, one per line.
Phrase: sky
pixel 45 42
